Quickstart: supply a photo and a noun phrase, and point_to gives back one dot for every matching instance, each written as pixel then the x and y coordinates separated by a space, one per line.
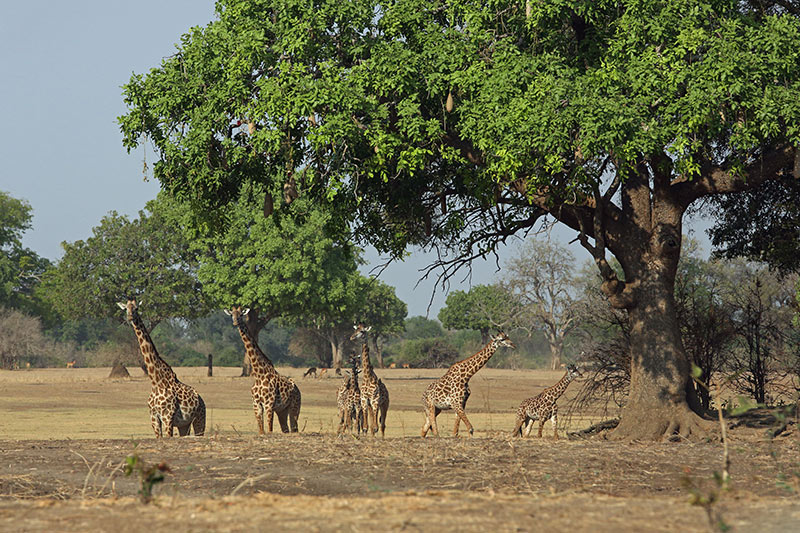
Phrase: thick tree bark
pixel 658 406
pixel 556 348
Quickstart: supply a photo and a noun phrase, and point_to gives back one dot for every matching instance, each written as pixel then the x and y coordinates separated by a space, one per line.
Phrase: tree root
pixel 663 424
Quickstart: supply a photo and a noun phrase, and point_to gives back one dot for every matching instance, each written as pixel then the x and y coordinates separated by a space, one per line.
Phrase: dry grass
pixel 64 435
pixel 83 403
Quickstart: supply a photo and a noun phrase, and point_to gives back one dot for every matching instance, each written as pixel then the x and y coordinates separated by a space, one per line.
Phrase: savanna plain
pixel 65 435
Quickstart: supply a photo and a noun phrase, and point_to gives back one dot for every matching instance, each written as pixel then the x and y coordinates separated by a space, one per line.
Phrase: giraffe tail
pixel 199 421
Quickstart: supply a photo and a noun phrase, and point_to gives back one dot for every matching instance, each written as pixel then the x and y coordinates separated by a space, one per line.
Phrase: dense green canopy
pixel 458 124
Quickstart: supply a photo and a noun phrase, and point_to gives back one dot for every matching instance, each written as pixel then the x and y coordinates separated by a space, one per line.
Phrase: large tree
pixel 541 277
pixel 280 267
pixel 459 124
pixel 383 311
pixel 481 308
pixel 146 257
pixel 20 267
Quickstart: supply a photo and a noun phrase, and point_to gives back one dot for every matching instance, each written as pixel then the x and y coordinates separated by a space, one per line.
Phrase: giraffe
pixel 173 404
pixel 543 406
pixel 451 391
pixel 374 395
pixel 348 399
pixel 272 393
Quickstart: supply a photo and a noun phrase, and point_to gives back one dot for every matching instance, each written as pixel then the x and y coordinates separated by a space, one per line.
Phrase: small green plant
pixel 707 500
pixel 149 476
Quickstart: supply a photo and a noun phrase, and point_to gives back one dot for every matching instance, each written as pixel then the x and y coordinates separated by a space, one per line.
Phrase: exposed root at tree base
pixel 663 424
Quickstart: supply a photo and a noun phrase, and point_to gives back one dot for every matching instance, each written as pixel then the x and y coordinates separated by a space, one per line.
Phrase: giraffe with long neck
pixel 543 406
pixel 451 391
pixel 348 399
pixel 374 394
pixel 272 392
pixel 172 404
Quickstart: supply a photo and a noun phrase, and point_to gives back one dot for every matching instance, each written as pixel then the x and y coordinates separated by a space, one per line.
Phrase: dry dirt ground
pixel 65 436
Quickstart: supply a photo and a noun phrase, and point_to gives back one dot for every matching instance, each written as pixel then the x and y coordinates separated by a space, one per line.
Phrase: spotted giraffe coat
pixel 543 406
pixel 451 391
pixel 272 393
pixel 172 403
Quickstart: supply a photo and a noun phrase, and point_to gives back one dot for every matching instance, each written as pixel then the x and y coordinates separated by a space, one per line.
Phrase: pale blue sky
pixel 62 67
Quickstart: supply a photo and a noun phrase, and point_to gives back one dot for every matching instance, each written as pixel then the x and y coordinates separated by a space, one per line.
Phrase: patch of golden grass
pixel 83 403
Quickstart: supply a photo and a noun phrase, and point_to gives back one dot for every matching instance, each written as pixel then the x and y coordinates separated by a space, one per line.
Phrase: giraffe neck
pixel 354 379
pixel 558 389
pixel 468 367
pixel 258 360
pixel 157 368
pixel 366 364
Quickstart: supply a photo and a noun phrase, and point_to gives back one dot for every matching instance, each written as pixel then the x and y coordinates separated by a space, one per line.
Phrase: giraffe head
pixel 573 372
pixel 131 308
pixel 237 313
pixel 360 332
pixel 501 339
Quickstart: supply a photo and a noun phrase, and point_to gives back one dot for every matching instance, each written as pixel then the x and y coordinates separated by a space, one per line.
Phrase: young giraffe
pixel 348 399
pixel 451 391
pixel 543 406
pixel 374 395
pixel 173 404
pixel 272 393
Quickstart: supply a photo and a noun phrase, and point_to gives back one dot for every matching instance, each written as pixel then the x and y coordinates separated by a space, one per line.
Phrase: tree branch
pixel 721 180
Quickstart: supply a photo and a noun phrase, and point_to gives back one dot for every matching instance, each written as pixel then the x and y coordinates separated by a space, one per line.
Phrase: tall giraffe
pixel 348 399
pixel 451 391
pixel 543 406
pixel 374 395
pixel 272 393
pixel 173 404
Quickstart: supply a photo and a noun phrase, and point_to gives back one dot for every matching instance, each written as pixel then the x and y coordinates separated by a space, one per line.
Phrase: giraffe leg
pixel 541 426
pixel 518 427
pixel 259 417
pixel 384 408
pixel 554 420
pixel 268 412
pixel 373 418
pixel 430 419
pixel 294 412
pixel 156 423
pixel 528 426
pixel 283 420
pixel 461 415
pixel 199 420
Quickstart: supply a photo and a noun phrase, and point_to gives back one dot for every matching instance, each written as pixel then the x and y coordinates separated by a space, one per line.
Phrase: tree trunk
pixel 658 405
pixel 375 349
pixel 556 348
pixel 336 350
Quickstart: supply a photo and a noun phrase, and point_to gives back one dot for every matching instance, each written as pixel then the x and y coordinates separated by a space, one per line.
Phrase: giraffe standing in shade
pixel 272 393
pixel 348 399
pixel 374 395
pixel 543 406
pixel 451 391
pixel 173 404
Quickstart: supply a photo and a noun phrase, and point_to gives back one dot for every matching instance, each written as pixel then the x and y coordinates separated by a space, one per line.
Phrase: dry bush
pixel 22 342
pixel 108 354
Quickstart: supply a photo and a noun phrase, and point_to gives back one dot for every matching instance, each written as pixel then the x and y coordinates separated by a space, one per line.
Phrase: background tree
pixel 481 308
pixel 279 267
pixel 20 268
pixel 762 319
pixel 705 317
pixel 541 279
pixel 611 117
pixel 384 312
pixel 22 341
pixel 146 257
